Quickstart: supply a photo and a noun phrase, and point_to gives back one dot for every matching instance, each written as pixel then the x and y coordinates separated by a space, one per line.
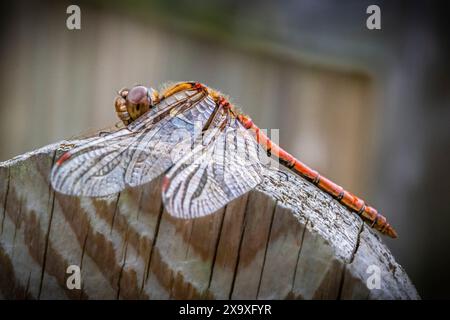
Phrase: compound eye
pixel 138 95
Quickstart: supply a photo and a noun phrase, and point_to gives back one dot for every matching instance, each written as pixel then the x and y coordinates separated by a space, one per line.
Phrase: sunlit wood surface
pixel 284 240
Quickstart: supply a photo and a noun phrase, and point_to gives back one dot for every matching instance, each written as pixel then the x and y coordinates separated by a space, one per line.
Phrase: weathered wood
pixel 285 239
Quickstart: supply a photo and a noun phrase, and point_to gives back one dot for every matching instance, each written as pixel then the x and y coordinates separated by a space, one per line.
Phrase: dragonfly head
pixel 134 102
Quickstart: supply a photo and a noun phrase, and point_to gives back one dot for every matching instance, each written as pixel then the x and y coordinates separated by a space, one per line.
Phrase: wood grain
pixel 284 240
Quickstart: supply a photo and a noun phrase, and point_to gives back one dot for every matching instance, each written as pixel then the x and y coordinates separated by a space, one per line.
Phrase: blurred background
pixel 369 109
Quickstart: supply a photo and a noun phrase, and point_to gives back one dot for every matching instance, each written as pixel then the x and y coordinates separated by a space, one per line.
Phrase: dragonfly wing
pixel 214 173
pixel 93 168
pixel 133 155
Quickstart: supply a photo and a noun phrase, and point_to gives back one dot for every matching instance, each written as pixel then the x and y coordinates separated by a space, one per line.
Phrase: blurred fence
pixel 385 137
pixel 57 83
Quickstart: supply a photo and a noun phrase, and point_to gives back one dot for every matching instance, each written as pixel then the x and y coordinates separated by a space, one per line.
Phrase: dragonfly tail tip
pixel 390 231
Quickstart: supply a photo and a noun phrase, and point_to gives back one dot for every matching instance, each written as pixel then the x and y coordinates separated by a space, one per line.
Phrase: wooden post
pixel 284 240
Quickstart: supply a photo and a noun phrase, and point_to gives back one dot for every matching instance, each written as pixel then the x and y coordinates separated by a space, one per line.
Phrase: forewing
pixel 136 154
pixel 153 152
pixel 224 167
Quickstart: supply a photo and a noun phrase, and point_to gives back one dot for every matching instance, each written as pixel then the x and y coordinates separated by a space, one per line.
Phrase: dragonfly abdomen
pixel 366 212
pixel 352 202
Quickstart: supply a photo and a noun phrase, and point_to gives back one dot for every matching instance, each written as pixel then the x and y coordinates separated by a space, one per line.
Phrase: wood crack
pixel 239 248
pixel 294 276
pixel 116 207
pixel 358 239
pixel 216 247
pixel 238 259
pixel 5 201
pixel 47 235
pixel 345 264
pixel 150 256
pixel 265 249
pixel 123 265
pixel 18 218
pixel 83 250
pixel 27 288
pixel 47 239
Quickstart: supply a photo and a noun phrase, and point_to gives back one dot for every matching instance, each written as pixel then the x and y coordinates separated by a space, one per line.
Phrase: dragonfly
pixel 208 150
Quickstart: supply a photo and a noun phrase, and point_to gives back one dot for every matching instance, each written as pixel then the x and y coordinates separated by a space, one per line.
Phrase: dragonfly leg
pixel 121 109
pixel 104 133
pixel 66 146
